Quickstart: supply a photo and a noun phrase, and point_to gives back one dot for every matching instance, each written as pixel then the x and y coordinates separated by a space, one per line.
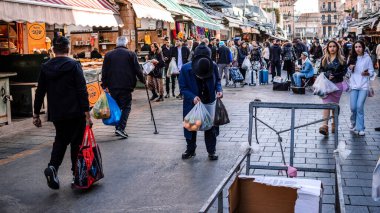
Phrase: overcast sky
pixel 307 6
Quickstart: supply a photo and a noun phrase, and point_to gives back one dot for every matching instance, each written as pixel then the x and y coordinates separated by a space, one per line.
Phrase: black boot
pixel 154 96
pixel 212 156
pixel 188 154
pixel 161 98
pixel 167 95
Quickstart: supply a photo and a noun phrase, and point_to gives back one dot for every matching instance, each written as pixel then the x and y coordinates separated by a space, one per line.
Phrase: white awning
pixel 61 12
pixel 151 10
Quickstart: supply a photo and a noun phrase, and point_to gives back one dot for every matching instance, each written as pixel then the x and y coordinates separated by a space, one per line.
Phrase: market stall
pixel 27 29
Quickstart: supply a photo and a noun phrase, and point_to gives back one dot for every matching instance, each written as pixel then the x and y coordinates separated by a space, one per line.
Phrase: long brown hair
pixel 327 57
pixel 353 54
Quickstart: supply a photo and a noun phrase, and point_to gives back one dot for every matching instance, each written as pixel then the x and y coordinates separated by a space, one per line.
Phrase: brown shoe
pixel 324 130
pixel 332 127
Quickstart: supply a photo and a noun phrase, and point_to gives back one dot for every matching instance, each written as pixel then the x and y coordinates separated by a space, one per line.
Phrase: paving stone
pixel 356 209
pixel 363 201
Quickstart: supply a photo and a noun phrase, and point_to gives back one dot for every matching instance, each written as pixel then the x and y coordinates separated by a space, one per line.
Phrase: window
pixel 329 6
pixel 324 30
pixel 324 5
pixel 323 17
pixel 335 5
pixel 335 17
pixel 329 18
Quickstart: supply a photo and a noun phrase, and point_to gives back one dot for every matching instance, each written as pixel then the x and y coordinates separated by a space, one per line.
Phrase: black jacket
pixel 242 53
pixel 224 55
pixel 120 70
pixel 256 54
pixel 300 48
pixel 288 53
pixel 214 51
pixel 275 53
pixel 336 69
pixel 62 79
pixel 95 54
pixel 185 54
pixel 316 51
pixel 157 72
pixel 166 54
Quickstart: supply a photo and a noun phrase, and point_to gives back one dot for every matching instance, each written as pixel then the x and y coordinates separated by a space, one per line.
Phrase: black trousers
pixel 210 140
pixel 123 99
pixel 242 71
pixel 71 132
pixel 167 83
pixel 276 68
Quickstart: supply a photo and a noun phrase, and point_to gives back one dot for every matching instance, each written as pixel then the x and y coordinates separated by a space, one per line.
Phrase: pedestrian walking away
pixel 360 69
pixel 120 72
pixel 200 82
pixel 275 59
pixel 334 68
pixel 289 56
pixel 224 61
pixel 62 79
pixel 242 54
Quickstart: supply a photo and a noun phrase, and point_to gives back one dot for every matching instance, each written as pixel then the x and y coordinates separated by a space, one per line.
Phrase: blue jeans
pixel 297 78
pixel 357 100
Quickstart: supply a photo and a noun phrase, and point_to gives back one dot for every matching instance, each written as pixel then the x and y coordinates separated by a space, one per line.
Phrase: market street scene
pixel 190 106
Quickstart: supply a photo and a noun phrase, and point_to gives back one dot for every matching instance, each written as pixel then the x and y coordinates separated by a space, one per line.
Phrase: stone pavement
pixel 145 173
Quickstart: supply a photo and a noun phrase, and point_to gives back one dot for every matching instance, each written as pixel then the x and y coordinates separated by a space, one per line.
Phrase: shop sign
pixel 148 24
pixel 36 36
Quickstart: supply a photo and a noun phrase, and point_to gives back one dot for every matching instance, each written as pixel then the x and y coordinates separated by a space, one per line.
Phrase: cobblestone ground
pixel 183 186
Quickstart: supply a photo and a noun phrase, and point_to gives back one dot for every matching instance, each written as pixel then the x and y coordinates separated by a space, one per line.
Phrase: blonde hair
pixel 327 57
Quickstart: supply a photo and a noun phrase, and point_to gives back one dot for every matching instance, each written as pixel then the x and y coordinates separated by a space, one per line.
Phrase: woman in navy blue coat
pixel 199 81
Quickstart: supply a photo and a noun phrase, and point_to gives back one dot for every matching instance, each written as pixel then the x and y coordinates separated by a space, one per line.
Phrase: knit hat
pixel 305 54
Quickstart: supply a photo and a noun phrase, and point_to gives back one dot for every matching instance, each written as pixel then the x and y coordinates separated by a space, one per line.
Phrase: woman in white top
pixel 266 54
pixel 361 70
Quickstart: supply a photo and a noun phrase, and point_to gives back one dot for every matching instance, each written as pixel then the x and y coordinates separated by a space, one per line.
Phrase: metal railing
pixel 253 120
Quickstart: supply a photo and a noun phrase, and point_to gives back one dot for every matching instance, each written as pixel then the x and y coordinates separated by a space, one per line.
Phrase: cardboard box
pixel 259 194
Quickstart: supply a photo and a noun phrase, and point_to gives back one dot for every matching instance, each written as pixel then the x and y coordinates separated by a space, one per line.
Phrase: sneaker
pixel 167 96
pixel 51 177
pixel 179 97
pixel 213 156
pixel 161 98
pixel 361 133
pixel 252 84
pixel 352 127
pixel 121 133
pixel 188 154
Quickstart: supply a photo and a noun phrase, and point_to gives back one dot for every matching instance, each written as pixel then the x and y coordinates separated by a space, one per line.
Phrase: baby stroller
pixel 236 76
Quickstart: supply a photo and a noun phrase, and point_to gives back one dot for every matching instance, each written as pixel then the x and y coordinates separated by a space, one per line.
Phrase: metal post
pixel 292 136
pixel 220 202
pixel 336 121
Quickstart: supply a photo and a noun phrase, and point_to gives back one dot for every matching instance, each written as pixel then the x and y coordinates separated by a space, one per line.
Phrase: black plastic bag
pixel 221 115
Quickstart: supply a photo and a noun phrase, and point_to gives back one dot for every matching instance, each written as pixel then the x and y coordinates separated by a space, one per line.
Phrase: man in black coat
pixel 275 59
pixel 166 53
pixel 316 50
pixel 62 79
pixel 181 55
pixel 119 77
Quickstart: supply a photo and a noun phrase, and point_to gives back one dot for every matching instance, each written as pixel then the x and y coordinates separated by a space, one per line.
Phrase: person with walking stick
pixel 120 72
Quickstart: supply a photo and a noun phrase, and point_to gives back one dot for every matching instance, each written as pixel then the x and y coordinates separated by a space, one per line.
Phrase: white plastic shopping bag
pixel 323 86
pixel 148 67
pixel 246 63
pixel 198 119
pixel 173 69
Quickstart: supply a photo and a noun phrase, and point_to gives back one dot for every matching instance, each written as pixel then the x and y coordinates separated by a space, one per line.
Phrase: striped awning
pixel 151 10
pixel 62 12
pixel 200 18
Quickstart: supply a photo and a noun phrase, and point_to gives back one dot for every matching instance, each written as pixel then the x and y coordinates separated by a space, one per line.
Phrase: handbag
pixel 371 92
pixel 88 168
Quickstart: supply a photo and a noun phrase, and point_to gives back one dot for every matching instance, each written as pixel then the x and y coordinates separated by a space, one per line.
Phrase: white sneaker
pixel 361 133
pixel 352 127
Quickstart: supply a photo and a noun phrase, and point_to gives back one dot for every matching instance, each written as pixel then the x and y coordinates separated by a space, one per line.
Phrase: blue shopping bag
pixel 115 112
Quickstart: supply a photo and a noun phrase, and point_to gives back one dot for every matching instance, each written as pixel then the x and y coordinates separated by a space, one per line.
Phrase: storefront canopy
pixel 173 7
pixel 151 9
pixel 200 18
pixel 233 22
pixel 62 12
